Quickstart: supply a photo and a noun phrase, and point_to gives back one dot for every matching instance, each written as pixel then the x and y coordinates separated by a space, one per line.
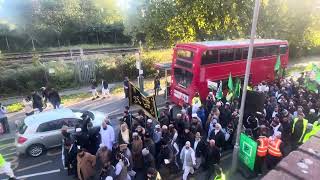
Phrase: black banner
pixel 147 103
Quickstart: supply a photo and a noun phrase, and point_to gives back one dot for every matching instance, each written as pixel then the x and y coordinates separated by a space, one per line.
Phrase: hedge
pixel 23 79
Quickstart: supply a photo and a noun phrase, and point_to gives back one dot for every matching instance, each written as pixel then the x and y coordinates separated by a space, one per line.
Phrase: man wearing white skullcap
pixel 188 159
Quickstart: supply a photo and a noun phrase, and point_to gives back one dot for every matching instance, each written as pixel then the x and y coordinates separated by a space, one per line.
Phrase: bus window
pixel 209 57
pixel 237 54
pixel 185 54
pixel 283 49
pixel 259 52
pixel 245 53
pixel 273 50
pixel 183 77
pixel 226 55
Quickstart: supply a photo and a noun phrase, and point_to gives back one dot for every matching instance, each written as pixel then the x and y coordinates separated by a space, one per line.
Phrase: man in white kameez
pixel 107 135
pixel 188 158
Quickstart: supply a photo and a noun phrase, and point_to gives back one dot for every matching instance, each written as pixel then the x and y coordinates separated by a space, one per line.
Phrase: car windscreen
pixel 22 128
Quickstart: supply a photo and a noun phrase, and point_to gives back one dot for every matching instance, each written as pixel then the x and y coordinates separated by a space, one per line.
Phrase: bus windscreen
pixel 183 77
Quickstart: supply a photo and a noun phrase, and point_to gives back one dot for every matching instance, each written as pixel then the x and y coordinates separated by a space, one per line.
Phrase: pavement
pixel 85 89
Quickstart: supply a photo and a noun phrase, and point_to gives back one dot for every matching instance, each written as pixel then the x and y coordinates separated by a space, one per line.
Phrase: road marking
pixel 5 155
pixel 110 113
pixel 54 153
pixel 226 157
pixel 7 139
pixel 38 174
pixel 12 149
pixel 2 147
pixel 99 106
pixel 33 166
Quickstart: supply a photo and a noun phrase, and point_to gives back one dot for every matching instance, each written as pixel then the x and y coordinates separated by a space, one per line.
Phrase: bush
pixel 14 107
pixel 27 78
pixel 114 69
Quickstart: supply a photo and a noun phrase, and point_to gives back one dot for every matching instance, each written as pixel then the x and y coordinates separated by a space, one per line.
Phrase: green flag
pixel 237 88
pixel 311 85
pixel 315 68
pixel 318 77
pixel 230 83
pixel 219 94
pixel 277 65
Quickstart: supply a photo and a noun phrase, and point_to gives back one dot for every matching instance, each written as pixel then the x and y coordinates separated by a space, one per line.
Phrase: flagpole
pixel 244 89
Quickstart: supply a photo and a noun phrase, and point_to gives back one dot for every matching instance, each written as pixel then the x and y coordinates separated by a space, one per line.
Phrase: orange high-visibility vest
pixel 274 147
pixel 263 147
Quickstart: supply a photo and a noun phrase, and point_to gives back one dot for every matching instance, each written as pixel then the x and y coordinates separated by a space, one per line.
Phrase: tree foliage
pixel 170 21
pixel 65 22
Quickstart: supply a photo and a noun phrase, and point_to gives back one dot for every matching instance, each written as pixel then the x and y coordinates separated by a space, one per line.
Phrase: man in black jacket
pixel 212 158
pixel 218 136
pixel 37 101
pixel 54 98
pixel 199 147
pixel 149 161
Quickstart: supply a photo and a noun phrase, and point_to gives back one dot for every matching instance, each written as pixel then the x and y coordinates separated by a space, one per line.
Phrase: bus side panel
pixel 263 70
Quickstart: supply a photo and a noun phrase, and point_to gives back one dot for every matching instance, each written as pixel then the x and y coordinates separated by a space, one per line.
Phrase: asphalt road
pixel 49 166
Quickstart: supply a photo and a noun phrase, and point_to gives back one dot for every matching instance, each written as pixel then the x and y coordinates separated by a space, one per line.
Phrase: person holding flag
pixel 219 93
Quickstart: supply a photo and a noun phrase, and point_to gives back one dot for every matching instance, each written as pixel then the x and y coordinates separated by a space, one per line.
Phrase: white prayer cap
pixel 109 178
pixel 158 126
pixel 277 133
pixel 145 151
pixel 135 134
pixel 188 143
pixel 102 145
pixel 194 115
pixel 149 121
pixel 164 127
pixel 78 129
pixel 312 110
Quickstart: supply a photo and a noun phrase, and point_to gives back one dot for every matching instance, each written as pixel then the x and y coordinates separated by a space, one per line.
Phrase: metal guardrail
pixel 25 57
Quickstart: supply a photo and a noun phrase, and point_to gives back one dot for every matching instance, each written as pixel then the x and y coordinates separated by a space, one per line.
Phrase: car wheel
pixel 36 150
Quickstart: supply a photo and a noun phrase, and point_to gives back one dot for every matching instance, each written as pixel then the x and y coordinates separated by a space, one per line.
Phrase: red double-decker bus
pixel 196 64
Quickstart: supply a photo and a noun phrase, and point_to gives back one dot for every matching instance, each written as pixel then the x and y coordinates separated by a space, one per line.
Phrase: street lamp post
pixel 139 67
pixel 244 89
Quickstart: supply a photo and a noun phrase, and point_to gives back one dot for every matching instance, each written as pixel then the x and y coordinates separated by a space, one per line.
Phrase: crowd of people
pixel 38 100
pixel 192 138
pixel 195 137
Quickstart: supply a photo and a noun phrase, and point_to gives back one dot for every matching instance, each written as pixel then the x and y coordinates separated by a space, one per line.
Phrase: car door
pixel 50 133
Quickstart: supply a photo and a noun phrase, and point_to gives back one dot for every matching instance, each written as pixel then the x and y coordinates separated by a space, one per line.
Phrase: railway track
pixel 45 56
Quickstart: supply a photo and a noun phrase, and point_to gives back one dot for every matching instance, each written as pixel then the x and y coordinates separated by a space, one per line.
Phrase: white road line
pixel 112 112
pixel 6 146
pixel 54 153
pixel 38 174
pixel 226 157
pixel 33 166
pixel 12 149
pixel 8 154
